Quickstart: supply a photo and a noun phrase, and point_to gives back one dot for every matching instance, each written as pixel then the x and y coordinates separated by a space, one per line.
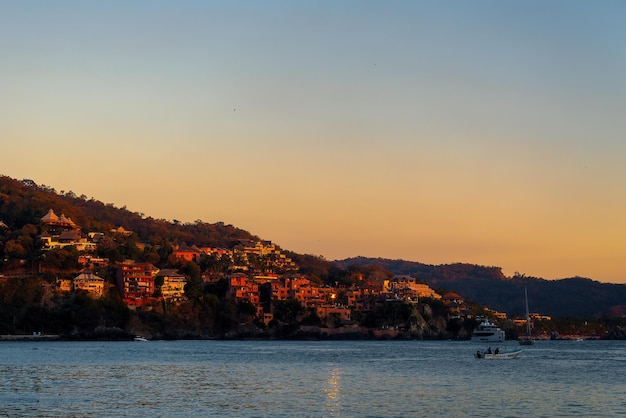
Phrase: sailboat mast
pixel 527 313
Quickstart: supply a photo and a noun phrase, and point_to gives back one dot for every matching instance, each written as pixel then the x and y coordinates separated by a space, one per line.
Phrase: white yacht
pixel 487 331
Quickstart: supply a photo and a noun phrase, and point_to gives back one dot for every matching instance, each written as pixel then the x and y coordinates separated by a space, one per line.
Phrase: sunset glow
pixel 479 132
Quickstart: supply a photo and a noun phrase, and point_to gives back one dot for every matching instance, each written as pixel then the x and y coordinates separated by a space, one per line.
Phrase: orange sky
pixel 479 133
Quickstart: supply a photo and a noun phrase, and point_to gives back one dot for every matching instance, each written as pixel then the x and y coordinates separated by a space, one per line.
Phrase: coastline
pixel 30 337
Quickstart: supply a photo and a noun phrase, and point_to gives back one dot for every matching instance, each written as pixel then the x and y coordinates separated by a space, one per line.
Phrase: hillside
pixel 23 203
pixel 575 297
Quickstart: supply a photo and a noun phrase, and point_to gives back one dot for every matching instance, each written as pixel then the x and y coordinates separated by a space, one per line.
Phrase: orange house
pixel 188 253
pixel 241 288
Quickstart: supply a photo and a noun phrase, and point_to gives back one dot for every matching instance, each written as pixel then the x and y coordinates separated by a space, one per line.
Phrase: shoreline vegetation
pixel 302 333
pixel 323 337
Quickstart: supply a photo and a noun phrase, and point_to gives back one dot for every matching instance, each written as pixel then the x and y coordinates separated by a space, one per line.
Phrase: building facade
pixel 136 282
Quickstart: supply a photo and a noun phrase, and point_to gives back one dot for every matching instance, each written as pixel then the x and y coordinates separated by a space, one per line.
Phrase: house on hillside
pixel 136 282
pixel 327 312
pixel 64 285
pixel 71 237
pixel 173 287
pixel 297 287
pixel 121 231
pixel 67 238
pixel 61 231
pixel 218 251
pixel 187 253
pixel 241 288
pixel 455 304
pixel 89 261
pixel 362 297
pixel 52 221
pixel 408 289
pixel 89 282
pixel 264 250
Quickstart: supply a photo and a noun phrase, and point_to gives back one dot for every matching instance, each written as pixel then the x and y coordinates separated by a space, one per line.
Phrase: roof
pixel 50 217
pixel 73 235
pixel 169 273
pixel 121 230
pixel 183 247
pixel 404 277
pixel 87 275
pixel 66 220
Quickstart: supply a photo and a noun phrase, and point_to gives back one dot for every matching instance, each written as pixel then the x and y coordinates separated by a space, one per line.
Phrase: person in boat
pixel 488 351
pixel 497 350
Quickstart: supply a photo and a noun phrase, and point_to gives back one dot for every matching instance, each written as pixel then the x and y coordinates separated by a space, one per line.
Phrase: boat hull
pixel 496 338
pixel 506 355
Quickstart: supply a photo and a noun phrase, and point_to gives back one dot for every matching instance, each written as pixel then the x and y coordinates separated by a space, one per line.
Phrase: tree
pixel 14 249
pixel 311 319
pixel 129 247
pixel 107 248
pixel 287 310
pixel 193 288
pixel 225 264
pixel 246 308
pixel 150 256
pixel 190 269
pixel 336 276
pixel 60 259
pixel 210 263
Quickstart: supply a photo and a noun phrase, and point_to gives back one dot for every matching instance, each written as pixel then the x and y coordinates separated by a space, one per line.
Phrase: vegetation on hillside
pixel 29 302
pixel 573 297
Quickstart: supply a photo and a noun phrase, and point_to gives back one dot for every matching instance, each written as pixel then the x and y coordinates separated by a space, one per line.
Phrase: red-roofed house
pixel 188 253
pixel 454 303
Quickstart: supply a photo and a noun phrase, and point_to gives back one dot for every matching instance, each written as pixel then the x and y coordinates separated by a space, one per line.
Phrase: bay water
pixel 310 379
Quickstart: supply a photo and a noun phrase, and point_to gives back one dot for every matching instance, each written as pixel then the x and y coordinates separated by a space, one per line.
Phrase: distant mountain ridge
pixel 574 297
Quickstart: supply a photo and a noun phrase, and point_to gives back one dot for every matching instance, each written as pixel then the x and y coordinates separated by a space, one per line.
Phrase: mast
pixel 527 313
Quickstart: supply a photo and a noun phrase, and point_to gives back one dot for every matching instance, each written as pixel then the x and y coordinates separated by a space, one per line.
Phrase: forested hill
pixel 23 202
pixel 576 297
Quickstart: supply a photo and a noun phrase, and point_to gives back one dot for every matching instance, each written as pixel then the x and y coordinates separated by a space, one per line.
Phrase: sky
pixel 483 132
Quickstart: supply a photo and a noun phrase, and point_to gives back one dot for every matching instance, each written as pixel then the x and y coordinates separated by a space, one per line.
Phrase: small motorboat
pixel 497 354
pixel 140 338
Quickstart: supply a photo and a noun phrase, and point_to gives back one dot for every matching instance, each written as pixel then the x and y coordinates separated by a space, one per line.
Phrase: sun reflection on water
pixel 333 393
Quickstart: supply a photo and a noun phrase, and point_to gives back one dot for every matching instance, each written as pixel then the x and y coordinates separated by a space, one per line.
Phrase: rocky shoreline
pixel 313 333
pixel 29 337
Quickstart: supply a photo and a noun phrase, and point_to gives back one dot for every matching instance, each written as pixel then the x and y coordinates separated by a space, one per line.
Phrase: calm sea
pixel 309 378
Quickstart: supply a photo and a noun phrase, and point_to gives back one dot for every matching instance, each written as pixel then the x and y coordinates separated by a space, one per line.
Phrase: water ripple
pixel 308 379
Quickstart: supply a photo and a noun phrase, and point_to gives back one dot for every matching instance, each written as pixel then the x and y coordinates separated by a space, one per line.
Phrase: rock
pixel 616 333
pixel 427 312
